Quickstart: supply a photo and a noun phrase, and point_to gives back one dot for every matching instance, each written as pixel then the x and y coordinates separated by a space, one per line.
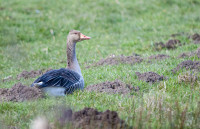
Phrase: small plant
pixel 189 78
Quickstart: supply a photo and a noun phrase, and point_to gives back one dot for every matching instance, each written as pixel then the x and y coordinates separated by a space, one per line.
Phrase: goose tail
pixel 37 84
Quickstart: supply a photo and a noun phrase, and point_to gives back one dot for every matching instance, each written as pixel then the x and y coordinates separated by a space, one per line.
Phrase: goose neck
pixel 72 62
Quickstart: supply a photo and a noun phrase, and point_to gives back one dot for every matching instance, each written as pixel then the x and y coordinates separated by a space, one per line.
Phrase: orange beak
pixel 83 37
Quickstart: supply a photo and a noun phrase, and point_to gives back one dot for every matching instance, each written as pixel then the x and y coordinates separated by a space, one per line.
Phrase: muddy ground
pixel 188 65
pixel 150 77
pixel 114 60
pixel 32 74
pixel 196 38
pixel 19 93
pixel 170 44
pixel 112 87
pixel 90 118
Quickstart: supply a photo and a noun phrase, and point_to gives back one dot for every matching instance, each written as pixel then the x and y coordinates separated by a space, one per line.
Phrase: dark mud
pixel 112 87
pixel 19 93
pixel 196 38
pixel 188 65
pixel 150 77
pixel 114 60
pixel 190 54
pixel 90 118
pixel 170 44
pixel 31 74
pixel 158 57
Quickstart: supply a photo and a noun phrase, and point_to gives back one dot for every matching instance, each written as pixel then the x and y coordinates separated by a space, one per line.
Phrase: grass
pixel 33 36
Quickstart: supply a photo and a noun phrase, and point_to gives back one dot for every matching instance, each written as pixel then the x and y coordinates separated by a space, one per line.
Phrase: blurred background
pixel 33 37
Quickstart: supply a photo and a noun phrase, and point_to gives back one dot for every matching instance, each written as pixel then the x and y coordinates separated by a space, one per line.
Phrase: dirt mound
pixel 170 44
pixel 196 38
pixel 114 60
pixel 31 74
pixel 19 93
pixel 188 65
pixel 173 43
pixel 90 118
pixel 112 87
pixel 190 54
pixel 158 57
pixel 150 77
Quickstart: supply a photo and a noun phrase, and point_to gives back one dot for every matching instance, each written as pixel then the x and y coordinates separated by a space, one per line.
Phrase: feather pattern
pixel 64 81
pixel 66 78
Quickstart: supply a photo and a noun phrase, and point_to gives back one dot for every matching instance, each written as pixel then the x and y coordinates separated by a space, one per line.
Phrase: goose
pixel 64 81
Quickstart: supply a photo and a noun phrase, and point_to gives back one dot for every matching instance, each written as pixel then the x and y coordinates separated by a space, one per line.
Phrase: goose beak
pixel 83 37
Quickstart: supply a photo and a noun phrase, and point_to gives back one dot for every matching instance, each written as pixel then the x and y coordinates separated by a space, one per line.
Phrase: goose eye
pixel 75 33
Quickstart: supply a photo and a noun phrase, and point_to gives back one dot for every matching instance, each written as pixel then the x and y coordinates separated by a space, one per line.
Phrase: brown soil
pixel 190 54
pixel 150 77
pixel 19 93
pixel 90 118
pixel 173 43
pixel 114 60
pixel 113 87
pixel 170 44
pixel 158 57
pixel 188 65
pixel 31 74
pixel 196 38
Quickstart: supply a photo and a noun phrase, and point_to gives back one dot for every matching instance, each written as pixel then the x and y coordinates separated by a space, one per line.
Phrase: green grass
pixel 26 43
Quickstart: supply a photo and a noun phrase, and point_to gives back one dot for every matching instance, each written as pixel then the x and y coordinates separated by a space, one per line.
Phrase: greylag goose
pixel 64 81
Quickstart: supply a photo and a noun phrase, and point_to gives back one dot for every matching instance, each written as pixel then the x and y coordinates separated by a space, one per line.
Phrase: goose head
pixel 76 36
pixel 73 37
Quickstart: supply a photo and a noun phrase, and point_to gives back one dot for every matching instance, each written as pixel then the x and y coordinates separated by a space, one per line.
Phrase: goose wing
pixel 58 78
